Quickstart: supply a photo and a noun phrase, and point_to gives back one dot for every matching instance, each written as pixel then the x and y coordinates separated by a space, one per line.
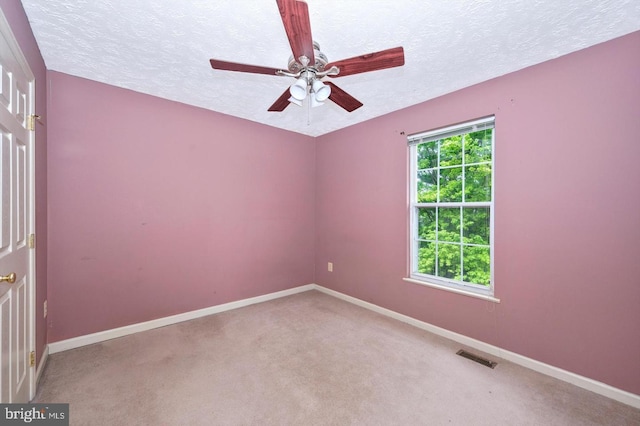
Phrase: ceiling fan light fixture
pixel 321 91
pixel 298 89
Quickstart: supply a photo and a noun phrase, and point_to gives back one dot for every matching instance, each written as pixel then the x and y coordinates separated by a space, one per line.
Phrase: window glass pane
pixel 451 151
pixel 449 261
pixel 449 224
pixel 476 225
pixel 477 265
pixel 426 258
pixel 451 238
pixel 427 186
pixel 427 155
pixel 427 224
pixel 451 184
pixel 477 183
pixel 477 146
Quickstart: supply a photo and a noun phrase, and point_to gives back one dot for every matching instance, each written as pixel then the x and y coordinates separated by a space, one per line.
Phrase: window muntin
pixel 452 206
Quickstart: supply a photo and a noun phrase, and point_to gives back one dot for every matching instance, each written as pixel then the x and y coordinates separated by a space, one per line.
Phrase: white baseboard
pixel 549 370
pixel 102 336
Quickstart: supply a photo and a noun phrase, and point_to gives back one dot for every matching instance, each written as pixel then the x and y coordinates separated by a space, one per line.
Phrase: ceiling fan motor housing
pixel 321 60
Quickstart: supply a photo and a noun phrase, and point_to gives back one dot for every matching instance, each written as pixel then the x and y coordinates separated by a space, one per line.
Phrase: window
pixel 452 206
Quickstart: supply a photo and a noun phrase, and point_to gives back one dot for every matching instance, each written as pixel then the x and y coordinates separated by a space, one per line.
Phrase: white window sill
pixel 453 290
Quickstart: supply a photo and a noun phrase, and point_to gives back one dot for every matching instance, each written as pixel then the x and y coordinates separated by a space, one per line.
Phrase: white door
pixel 16 199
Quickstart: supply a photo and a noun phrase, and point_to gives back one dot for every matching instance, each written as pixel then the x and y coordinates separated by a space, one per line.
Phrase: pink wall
pixel 158 208
pixel 567 213
pixel 14 13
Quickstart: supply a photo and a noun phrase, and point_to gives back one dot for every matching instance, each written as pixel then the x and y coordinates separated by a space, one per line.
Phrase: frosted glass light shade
pixel 295 101
pixel 321 90
pixel 298 89
pixel 315 102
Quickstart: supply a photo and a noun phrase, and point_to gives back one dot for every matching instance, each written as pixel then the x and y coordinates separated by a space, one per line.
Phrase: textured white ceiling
pixel 163 47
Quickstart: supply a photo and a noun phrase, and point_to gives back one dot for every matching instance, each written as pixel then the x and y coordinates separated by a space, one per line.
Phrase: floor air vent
pixel 476 358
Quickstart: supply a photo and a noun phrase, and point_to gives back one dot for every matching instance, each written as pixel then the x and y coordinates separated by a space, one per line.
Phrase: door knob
pixel 11 278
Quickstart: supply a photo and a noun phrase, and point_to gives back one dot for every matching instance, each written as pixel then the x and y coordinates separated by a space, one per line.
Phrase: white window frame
pixel 466 288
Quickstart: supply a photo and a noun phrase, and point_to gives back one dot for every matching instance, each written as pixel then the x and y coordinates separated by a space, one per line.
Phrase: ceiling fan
pixel 309 65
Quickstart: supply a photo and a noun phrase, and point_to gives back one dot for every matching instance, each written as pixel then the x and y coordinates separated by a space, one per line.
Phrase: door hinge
pixel 32 359
pixel 31 121
pixel 32 241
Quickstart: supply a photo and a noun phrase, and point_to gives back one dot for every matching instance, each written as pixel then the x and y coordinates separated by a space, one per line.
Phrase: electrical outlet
pixel 330 266
pixel 45 308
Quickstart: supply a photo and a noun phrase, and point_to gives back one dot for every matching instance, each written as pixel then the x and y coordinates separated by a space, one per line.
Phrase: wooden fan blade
pixel 232 66
pixel 370 62
pixel 295 17
pixel 342 98
pixel 281 103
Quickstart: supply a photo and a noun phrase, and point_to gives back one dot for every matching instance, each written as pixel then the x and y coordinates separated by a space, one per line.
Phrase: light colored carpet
pixel 307 359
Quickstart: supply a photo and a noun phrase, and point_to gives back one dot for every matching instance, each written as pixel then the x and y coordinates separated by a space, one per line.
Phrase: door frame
pixel 7 34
